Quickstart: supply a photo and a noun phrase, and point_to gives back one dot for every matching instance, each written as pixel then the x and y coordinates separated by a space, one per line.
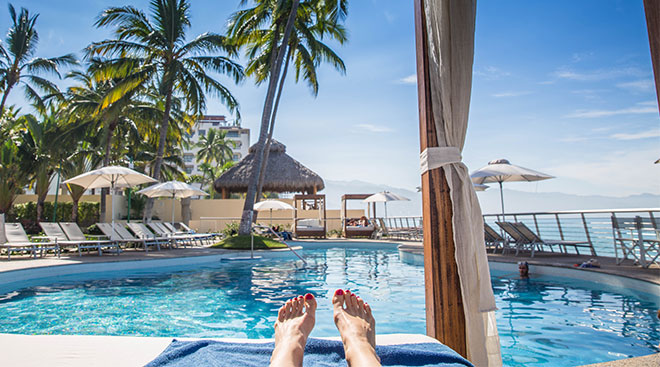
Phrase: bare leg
pixel 357 328
pixel 292 328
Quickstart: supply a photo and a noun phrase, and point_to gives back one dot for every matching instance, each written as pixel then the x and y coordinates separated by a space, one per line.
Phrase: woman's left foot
pixel 295 321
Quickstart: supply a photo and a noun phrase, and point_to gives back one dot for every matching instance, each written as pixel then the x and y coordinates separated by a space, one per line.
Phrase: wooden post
pixel 445 319
pixel 652 10
pixel 225 194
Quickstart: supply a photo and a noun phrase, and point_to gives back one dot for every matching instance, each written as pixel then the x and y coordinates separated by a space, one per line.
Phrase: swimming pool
pixel 541 322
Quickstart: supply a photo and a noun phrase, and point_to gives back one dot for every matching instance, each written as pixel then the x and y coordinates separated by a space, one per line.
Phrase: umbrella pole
pixel 112 211
pixel 271 217
pixel 172 209
pixel 502 199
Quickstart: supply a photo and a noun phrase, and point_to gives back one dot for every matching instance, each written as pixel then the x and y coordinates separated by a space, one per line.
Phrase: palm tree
pixel 154 50
pixel 300 25
pixel 14 167
pixel 215 147
pixel 18 66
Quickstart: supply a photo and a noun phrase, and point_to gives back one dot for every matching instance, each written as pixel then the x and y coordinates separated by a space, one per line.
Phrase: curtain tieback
pixel 436 157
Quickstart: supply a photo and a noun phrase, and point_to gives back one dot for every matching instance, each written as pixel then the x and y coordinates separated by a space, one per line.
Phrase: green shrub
pixel 231 229
pixel 26 214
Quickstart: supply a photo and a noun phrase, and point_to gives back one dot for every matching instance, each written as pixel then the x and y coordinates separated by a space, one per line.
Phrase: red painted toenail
pixel 309 296
pixel 339 292
pixel 353 295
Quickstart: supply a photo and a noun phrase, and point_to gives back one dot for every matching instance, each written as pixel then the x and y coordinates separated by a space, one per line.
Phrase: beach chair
pixel 198 236
pixel 494 239
pixel 521 242
pixel 534 238
pixel 55 233
pixel 189 230
pixel 648 236
pixel 18 241
pixel 128 236
pixel 74 233
pixel 162 232
pixel 638 237
pixel 111 233
pixel 141 231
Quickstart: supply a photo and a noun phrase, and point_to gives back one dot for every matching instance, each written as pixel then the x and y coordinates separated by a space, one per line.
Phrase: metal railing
pixel 591 226
pixel 268 229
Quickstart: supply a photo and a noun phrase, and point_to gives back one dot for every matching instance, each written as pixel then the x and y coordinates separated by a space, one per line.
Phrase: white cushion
pixel 309 223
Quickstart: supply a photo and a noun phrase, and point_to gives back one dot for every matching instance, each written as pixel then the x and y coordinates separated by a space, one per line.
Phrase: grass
pixel 243 243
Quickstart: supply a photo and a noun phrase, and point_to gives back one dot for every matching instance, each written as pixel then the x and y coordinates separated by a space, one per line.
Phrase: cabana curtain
pixel 450 29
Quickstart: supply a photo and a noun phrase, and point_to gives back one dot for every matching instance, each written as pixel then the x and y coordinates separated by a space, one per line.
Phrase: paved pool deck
pixel 75 350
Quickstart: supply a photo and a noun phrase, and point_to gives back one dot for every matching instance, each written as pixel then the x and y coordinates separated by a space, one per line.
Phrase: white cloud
pixel 410 79
pixel 606 113
pixel 642 85
pixel 492 73
pixel 597 75
pixel 374 128
pixel 654 133
pixel 511 94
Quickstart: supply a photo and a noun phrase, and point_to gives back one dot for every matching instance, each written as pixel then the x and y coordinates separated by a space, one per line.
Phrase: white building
pixel 234 132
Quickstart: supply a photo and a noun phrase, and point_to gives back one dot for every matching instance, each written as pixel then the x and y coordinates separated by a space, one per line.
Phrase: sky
pixel 563 87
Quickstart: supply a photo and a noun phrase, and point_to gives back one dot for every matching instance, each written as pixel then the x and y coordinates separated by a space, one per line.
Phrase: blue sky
pixel 563 87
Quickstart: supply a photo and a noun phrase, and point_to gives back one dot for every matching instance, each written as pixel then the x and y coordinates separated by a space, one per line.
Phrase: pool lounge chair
pixel 55 233
pixel 141 231
pixel 521 242
pixel 18 241
pixel 494 239
pixel 534 238
pixel 128 236
pixel 74 233
pixel 201 237
pixel 189 230
pixel 161 231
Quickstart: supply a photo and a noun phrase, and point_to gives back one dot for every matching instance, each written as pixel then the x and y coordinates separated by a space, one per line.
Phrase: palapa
pixel 283 174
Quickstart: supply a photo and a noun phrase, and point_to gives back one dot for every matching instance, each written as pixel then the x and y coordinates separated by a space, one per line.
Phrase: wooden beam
pixel 652 10
pixel 445 319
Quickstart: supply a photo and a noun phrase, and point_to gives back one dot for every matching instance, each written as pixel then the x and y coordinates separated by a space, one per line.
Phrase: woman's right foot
pixel 357 328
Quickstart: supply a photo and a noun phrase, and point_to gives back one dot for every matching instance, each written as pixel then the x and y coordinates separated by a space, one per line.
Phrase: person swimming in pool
pixel 353 318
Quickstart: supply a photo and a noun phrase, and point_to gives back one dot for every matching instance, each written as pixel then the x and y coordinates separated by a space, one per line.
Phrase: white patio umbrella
pixel 112 177
pixel 272 205
pixel 384 197
pixel 480 187
pixel 501 170
pixel 172 189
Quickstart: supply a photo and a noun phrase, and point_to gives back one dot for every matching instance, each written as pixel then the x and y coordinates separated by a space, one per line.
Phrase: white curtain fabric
pixel 450 28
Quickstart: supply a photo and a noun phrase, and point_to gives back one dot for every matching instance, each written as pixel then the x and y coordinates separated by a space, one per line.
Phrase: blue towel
pixel 318 352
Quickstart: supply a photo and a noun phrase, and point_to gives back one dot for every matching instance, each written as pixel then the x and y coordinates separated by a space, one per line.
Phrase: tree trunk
pixel 162 138
pixel 248 206
pixel 4 99
pixel 106 162
pixel 74 211
pixel 264 162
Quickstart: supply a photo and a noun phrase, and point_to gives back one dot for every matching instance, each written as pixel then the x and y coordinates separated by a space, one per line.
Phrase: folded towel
pixel 318 352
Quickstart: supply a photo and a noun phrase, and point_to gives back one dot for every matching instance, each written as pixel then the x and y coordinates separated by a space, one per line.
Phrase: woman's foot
pixel 292 328
pixel 357 328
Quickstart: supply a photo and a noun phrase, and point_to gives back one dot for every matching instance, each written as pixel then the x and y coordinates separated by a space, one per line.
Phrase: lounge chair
pixel 161 231
pixel 74 233
pixel 189 230
pixel 112 234
pixel 494 239
pixel 54 232
pixel 128 236
pixel 208 237
pixel 534 238
pixel 521 242
pixel 18 241
pixel 141 231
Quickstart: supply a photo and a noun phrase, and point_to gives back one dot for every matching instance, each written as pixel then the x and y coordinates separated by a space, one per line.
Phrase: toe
pixel 338 300
pixel 288 307
pixel 352 302
pixel 360 304
pixel 299 305
pixel 310 304
pixel 281 313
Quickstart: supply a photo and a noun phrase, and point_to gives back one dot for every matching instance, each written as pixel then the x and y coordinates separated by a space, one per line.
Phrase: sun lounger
pixel 638 238
pixel 494 239
pixel 74 233
pixel 521 242
pixel 112 234
pixel 195 236
pixel 189 230
pixel 18 241
pixel 162 232
pixel 141 231
pixel 536 239
pixel 128 236
pixel 55 233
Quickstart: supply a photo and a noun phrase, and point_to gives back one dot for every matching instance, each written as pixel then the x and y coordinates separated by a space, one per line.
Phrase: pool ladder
pixel 276 235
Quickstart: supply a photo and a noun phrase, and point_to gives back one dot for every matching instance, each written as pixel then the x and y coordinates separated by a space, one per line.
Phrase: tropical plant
pixel 17 65
pixel 215 147
pixel 13 178
pixel 154 50
pixel 269 31
pixel 83 160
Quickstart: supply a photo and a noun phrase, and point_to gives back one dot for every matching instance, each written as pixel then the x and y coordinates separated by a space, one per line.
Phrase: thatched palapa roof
pixel 283 173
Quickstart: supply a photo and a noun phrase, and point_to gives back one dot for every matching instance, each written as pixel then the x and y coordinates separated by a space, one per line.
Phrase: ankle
pixel 359 352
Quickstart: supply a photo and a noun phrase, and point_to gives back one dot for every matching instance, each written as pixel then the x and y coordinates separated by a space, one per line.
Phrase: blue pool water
pixel 541 322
